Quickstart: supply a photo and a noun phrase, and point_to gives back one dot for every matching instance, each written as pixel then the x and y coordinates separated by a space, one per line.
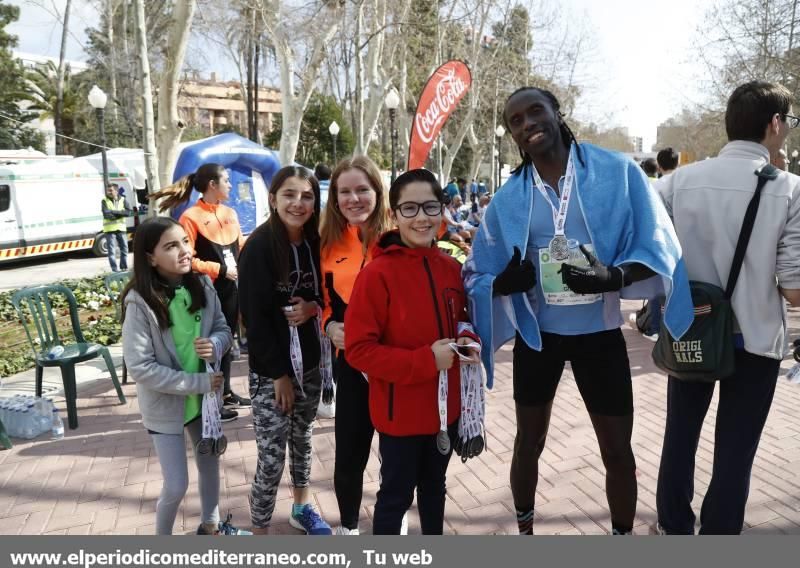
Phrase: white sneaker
pixel 404 525
pixel 344 531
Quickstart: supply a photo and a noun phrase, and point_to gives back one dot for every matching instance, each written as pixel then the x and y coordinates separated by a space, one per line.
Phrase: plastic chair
pixel 43 324
pixel 114 283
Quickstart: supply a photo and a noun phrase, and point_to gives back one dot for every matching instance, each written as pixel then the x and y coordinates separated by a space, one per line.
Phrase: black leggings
pixel 229 300
pixel 598 361
pixel 353 437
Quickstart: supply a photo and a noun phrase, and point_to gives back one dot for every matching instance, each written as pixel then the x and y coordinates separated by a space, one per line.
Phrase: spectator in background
pixel 323 174
pixel 462 189
pixel 115 210
pixel 452 189
pixel 650 167
pixel 473 191
pixel 667 160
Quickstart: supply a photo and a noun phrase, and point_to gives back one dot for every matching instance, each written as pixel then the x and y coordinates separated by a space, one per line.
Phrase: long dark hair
pixel 566 133
pixel 180 191
pixel 279 236
pixel 145 279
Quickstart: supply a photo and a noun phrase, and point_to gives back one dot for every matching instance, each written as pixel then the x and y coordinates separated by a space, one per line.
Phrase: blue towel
pixel 627 222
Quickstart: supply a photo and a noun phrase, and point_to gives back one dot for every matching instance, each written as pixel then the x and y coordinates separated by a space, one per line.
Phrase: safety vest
pixel 118 223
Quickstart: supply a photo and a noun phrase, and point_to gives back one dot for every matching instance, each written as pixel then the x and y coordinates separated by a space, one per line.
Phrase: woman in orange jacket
pixel 216 237
pixel 355 216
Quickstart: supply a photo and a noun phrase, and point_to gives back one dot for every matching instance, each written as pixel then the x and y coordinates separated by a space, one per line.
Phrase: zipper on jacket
pixel 433 295
pixel 391 401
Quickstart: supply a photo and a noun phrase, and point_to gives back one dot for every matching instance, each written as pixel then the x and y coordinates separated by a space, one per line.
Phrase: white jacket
pixel 707 202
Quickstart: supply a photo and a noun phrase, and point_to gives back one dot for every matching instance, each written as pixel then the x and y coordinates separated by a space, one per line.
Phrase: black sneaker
pixel 227 415
pixel 233 399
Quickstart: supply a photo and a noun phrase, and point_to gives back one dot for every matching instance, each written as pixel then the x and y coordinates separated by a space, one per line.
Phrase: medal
pixel 559 247
pixel 476 446
pixel 443 442
pixel 204 446
pixel 220 445
pixel 442 439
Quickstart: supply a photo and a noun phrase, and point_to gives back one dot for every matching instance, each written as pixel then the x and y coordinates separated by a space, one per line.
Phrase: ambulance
pixel 53 206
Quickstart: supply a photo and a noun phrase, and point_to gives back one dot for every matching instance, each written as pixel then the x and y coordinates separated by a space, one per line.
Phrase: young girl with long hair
pixel 172 322
pixel 216 237
pixel 355 216
pixel 280 291
pixel 407 307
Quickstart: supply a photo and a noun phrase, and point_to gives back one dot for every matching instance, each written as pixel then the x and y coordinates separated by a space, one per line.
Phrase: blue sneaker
pixel 308 520
pixel 227 529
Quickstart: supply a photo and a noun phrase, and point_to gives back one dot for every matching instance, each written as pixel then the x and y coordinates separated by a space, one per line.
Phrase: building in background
pixel 215 106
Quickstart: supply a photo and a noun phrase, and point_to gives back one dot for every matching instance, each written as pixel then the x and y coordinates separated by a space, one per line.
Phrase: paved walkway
pixel 104 477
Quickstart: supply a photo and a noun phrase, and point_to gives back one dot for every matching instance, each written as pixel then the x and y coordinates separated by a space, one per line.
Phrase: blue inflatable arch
pixel 250 166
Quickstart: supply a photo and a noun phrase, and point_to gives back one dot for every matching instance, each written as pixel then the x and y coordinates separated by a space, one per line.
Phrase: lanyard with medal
pixel 559 245
pixel 471 426
pixel 295 350
pixel 213 440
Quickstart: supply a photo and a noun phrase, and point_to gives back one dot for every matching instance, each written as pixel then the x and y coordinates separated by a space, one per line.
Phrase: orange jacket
pixel 341 262
pixel 211 229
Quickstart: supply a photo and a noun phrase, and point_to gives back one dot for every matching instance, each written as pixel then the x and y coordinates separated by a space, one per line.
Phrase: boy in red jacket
pixel 407 307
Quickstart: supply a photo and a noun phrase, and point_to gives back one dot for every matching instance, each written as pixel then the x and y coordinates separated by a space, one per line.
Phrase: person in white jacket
pixel 707 202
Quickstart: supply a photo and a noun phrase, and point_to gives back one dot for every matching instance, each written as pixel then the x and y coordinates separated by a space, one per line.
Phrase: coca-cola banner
pixel 444 89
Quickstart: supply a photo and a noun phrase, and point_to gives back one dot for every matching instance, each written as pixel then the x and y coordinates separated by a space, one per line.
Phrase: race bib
pixel 230 261
pixel 555 291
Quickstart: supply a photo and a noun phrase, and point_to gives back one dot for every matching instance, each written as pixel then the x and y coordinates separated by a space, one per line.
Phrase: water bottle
pixel 57 425
pixel 55 352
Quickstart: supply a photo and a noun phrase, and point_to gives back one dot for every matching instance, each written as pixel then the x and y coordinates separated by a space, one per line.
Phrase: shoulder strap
pixel 765 173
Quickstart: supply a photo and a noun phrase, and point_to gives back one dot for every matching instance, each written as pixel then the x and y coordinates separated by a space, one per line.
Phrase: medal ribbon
pixel 473 402
pixel 560 214
pixel 212 425
pixel 443 401
pixel 295 351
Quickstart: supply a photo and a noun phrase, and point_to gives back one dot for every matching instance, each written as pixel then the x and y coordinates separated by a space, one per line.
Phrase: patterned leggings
pixel 273 430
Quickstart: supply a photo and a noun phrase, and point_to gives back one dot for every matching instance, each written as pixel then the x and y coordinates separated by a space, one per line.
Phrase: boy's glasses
pixel 410 209
pixel 791 121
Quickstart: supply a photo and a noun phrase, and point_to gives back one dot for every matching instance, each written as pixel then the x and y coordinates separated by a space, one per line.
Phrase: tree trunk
pixel 58 111
pixel 169 125
pixel 294 99
pixel 148 127
pixel 358 110
pixel 112 59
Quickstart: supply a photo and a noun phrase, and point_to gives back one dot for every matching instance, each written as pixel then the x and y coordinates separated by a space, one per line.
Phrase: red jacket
pixel 402 302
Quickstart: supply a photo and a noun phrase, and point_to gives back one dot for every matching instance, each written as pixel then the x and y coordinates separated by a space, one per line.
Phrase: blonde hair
pixel 334 222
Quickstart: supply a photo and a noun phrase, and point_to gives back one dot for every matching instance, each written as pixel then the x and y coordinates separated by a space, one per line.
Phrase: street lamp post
pixel 499 132
pixel 392 101
pixel 334 130
pixel 98 99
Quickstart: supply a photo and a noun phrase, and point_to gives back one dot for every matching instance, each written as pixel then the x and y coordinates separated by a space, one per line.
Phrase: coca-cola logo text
pixel 449 91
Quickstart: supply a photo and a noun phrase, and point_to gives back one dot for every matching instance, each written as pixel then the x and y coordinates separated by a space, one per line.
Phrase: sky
pixel 642 71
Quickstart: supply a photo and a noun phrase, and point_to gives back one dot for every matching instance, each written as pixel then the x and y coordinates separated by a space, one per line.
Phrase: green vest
pixel 185 329
pixel 118 223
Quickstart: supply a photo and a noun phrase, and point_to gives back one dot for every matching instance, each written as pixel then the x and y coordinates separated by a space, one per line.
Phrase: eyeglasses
pixel 791 121
pixel 410 209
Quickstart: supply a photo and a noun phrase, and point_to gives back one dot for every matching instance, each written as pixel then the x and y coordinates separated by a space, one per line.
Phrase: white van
pixel 55 207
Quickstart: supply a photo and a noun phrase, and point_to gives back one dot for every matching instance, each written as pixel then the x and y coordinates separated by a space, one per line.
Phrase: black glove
pixel 595 279
pixel 517 276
